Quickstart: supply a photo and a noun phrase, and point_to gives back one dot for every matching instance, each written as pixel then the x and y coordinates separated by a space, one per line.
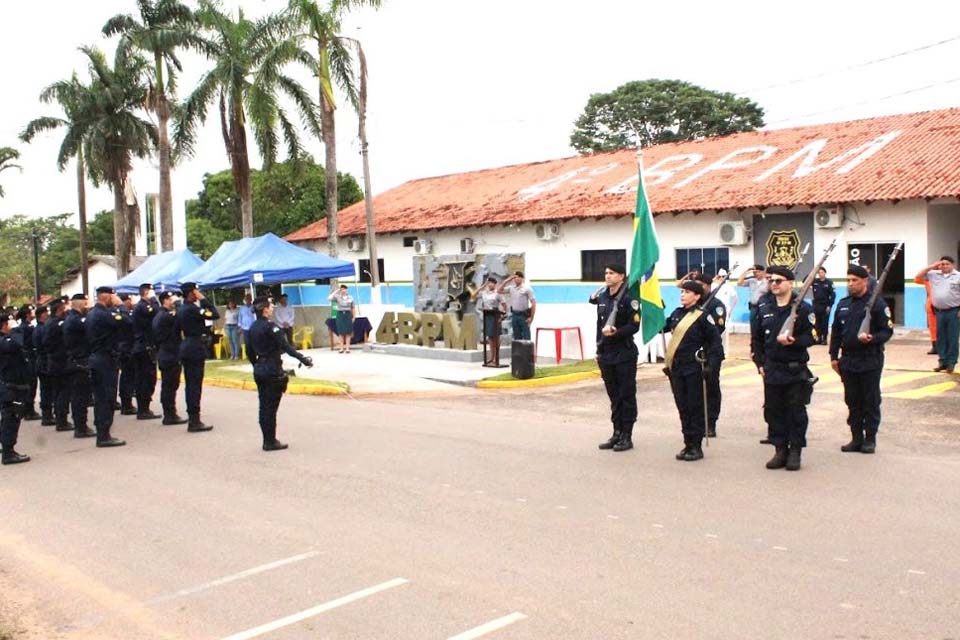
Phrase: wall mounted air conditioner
pixel 355 243
pixel 422 246
pixel 466 245
pixel 733 232
pixel 547 230
pixel 828 217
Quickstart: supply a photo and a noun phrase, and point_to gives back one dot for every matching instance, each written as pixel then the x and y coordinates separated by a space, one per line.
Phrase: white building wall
pixel 943 233
pixel 99 273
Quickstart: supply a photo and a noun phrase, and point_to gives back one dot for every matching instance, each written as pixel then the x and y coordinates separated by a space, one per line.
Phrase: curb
pixel 538 382
pixel 296 388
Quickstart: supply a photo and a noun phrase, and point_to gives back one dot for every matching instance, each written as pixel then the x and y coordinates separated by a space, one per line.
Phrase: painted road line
pixel 738 368
pixel 887 382
pixel 314 611
pixel 231 578
pixel 489 627
pixel 923 392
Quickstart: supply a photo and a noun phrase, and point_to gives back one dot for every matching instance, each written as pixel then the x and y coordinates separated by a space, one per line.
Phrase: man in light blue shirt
pixel 246 318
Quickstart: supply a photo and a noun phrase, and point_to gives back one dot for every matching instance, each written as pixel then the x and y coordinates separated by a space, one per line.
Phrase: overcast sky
pixel 457 86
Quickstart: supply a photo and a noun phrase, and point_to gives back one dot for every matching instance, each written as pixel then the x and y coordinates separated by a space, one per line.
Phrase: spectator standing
pixel 523 304
pixel 231 327
pixel 727 295
pixel 246 317
pixel 283 317
pixel 944 282
pixel 345 312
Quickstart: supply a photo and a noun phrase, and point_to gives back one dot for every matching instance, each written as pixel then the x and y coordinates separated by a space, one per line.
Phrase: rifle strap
pixel 678 332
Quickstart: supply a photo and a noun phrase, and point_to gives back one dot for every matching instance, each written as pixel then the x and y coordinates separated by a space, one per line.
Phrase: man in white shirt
pixel 283 317
pixel 523 305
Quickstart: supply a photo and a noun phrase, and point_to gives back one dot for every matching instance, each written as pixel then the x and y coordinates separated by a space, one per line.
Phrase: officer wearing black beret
pixel 617 353
pixel 716 310
pixel 858 358
pixel 782 361
pixel 104 325
pixel 14 387
pixel 25 329
pixel 167 336
pixel 43 368
pixel 695 351
pixel 191 321
pixel 265 343
pixel 128 366
pixel 60 376
pixel 78 364
pixel 145 351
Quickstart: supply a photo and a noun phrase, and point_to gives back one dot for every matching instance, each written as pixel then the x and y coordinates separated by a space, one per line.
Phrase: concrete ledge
pixel 296 388
pixel 434 353
pixel 538 382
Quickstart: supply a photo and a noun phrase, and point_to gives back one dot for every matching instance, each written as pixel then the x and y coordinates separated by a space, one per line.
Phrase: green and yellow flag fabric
pixel 642 277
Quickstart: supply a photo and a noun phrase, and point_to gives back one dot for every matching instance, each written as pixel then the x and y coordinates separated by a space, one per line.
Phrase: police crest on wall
pixel 783 248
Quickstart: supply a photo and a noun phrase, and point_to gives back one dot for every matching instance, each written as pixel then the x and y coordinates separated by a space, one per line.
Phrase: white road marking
pixel 840 560
pixel 484 629
pixel 917 572
pixel 780 548
pixel 236 576
pixel 658 526
pixel 478 491
pixel 446 486
pixel 614 517
pixel 712 535
pixel 521 499
pixel 561 506
pixel 314 611
pixel 847 605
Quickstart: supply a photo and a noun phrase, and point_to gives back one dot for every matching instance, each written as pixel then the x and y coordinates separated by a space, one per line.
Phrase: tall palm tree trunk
pixel 82 213
pixel 240 169
pixel 166 195
pixel 330 167
pixel 120 227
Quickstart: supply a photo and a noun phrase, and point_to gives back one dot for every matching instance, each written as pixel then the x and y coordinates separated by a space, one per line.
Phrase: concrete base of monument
pixel 435 353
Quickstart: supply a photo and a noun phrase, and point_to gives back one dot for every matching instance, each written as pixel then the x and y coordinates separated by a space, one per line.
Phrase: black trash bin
pixel 521 359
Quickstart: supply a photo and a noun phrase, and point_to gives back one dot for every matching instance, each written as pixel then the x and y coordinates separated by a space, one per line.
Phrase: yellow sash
pixel 679 331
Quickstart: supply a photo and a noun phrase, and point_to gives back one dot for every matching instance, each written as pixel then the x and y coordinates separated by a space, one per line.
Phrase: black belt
pixel 524 312
pixel 946 308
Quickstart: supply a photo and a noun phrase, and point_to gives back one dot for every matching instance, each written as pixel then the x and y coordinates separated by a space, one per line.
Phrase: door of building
pixel 874 257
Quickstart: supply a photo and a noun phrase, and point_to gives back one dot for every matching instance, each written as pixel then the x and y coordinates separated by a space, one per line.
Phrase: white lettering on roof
pixel 549 185
pixel 761 153
pixel 810 152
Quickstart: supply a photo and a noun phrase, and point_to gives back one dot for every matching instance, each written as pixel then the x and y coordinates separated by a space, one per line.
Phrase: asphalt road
pixel 485 514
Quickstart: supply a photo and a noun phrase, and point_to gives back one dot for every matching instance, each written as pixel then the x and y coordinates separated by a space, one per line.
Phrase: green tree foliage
pixel 59 251
pixel 648 112
pixel 7 156
pixel 288 196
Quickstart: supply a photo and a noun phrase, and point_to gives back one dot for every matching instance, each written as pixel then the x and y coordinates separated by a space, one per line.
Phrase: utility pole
pixel 82 212
pixel 36 266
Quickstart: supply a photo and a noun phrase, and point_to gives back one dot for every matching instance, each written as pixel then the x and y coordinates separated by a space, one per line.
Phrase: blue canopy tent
pixel 265 260
pixel 165 269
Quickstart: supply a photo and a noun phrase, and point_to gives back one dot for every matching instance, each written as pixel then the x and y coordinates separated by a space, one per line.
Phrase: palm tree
pixel 164 27
pixel 334 66
pixel 247 80
pixel 7 156
pixel 115 134
pixel 72 97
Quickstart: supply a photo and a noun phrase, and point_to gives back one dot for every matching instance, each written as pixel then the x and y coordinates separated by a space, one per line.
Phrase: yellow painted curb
pixel 297 388
pixel 538 382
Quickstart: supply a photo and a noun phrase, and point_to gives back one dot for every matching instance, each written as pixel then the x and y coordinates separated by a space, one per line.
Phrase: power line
pixel 860 65
pixel 866 102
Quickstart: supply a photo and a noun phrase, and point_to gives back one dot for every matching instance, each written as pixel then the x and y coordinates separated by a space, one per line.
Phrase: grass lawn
pixel 224 371
pixel 549 372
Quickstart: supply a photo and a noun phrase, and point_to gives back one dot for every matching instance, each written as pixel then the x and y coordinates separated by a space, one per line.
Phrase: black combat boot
pixel 30 413
pixel 170 416
pixel 127 408
pixel 683 452
pixel 793 459
pixel 933 349
pixel 46 417
pixel 691 453
pixel 869 443
pixel 105 440
pixel 274 445
pixel 856 443
pixel 84 432
pixel 779 459
pixel 195 425
pixel 144 412
pixel 10 456
pixel 625 442
pixel 614 439
pixel 64 425
pixel 712 430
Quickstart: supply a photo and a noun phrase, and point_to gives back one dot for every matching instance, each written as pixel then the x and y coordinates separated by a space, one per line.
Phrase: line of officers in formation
pixel 781 361
pixel 77 355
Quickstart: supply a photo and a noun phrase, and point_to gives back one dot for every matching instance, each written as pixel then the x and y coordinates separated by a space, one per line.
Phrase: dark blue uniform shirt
pixel 783 364
pixel 265 343
pixel 824 295
pixel 702 334
pixel 143 315
pixel 857 356
pixel 167 336
pixel 191 321
pixel 14 371
pixel 75 337
pixel 619 347
pixel 103 329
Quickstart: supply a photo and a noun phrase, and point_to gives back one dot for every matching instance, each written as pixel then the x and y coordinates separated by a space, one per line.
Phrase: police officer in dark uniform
pixel 265 342
pixel 59 375
pixel 617 353
pixel 145 351
pixel 698 353
pixel 191 321
pixel 858 359
pixel 78 364
pixel 783 364
pixel 167 336
pixel 128 366
pixel 26 315
pixel 14 387
pixel 717 312
pixel 824 295
pixel 43 369
pixel 104 325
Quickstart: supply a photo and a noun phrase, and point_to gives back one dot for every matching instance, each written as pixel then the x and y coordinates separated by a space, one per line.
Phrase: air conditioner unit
pixel 547 230
pixel 828 217
pixel 733 232
pixel 355 243
pixel 422 247
pixel 466 245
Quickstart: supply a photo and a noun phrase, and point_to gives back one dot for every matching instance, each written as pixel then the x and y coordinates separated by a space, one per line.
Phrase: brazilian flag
pixel 642 278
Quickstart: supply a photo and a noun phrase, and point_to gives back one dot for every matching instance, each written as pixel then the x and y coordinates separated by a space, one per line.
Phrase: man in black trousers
pixel 191 321
pixel 145 351
pixel 104 324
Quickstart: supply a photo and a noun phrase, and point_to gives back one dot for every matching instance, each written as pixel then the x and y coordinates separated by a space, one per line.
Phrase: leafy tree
pixel 7 156
pixel 100 234
pixel 648 112
pixel 333 65
pixel 248 79
pixel 164 27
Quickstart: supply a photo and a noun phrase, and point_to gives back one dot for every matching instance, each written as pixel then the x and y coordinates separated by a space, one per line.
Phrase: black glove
pixel 307 361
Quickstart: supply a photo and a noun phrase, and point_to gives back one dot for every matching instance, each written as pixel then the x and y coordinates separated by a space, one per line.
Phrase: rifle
pixel 613 312
pixel 788 324
pixel 868 314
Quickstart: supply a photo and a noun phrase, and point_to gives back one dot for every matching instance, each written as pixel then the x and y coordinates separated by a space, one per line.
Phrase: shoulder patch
pixel 636 317
pixel 886 311
pixel 149 309
pixel 207 313
pixel 812 318
pixel 634 304
pixel 711 320
pixel 720 311
pixel 276 329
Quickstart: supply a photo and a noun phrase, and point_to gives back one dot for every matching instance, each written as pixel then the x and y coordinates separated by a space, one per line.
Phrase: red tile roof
pixel 898 157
